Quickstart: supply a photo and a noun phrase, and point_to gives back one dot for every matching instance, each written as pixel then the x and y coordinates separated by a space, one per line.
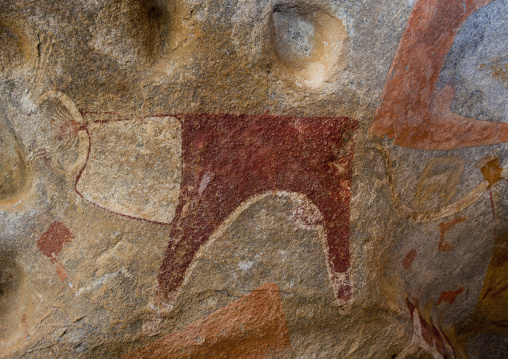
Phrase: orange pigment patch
pixel 491 170
pixel 413 111
pixel 449 297
pixel 443 228
pixel 60 270
pixel 408 259
pixel 253 326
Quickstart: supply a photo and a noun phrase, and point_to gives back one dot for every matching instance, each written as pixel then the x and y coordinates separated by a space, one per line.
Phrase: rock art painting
pixel 124 172
pixel 414 112
pixel 433 339
pixel 52 242
pixel 227 159
pixel 432 101
pixel 253 326
pixel 253 179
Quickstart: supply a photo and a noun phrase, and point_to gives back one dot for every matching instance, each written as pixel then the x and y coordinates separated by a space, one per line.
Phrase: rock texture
pixel 253 179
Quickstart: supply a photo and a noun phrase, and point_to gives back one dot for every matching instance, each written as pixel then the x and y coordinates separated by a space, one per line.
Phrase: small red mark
pixel 51 244
pixel 409 258
pixel 52 241
pixel 24 321
pixel 449 297
pixel 443 228
pixel 69 129
pixel 60 270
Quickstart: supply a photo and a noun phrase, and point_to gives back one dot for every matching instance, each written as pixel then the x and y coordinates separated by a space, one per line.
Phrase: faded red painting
pixel 413 112
pixel 450 296
pixel 229 158
pixel 434 336
pixel 409 258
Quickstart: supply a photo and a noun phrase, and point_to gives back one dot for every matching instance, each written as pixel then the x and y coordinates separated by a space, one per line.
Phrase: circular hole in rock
pixel 10 45
pixel 11 277
pixel 18 45
pixel 12 300
pixel 13 169
pixel 308 42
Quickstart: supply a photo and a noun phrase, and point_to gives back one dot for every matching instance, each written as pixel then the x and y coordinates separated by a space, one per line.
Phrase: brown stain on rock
pixel 253 326
pixel 409 258
pixel 498 69
pixel 491 170
pixel 491 311
pixel 449 297
pixel 413 112
pixel 443 228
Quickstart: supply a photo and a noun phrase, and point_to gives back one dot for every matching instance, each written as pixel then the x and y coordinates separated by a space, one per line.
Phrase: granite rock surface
pixel 253 179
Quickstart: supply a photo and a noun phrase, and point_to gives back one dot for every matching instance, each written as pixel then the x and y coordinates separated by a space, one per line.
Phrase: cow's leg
pixel 331 195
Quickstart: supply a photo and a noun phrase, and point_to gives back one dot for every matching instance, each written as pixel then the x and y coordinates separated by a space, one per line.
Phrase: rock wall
pixel 253 179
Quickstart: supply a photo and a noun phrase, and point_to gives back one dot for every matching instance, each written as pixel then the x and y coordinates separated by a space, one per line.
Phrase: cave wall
pixel 253 179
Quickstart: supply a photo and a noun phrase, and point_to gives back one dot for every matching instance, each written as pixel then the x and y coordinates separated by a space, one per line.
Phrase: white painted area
pixel 105 278
pixel 245 265
pixel 207 177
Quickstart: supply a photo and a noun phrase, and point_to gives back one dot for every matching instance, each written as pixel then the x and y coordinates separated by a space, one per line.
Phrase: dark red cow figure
pixel 229 158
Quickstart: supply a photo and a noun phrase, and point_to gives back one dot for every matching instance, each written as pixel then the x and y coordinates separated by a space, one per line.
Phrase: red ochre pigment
pixel 229 158
pixel 52 241
pixel 413 111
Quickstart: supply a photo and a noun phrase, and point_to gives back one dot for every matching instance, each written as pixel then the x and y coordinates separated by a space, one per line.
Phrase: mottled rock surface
pixel 253 179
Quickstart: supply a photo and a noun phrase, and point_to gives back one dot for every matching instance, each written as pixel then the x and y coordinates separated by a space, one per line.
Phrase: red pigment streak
pixel 52 241
pixel 492 204
pixel 449 297
pixel 68 129
pixel 413 112
pixel 431 334
pixel 60 270
pixel 24 321
pixel 443 228
pixel 240 156
pixel 408 259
